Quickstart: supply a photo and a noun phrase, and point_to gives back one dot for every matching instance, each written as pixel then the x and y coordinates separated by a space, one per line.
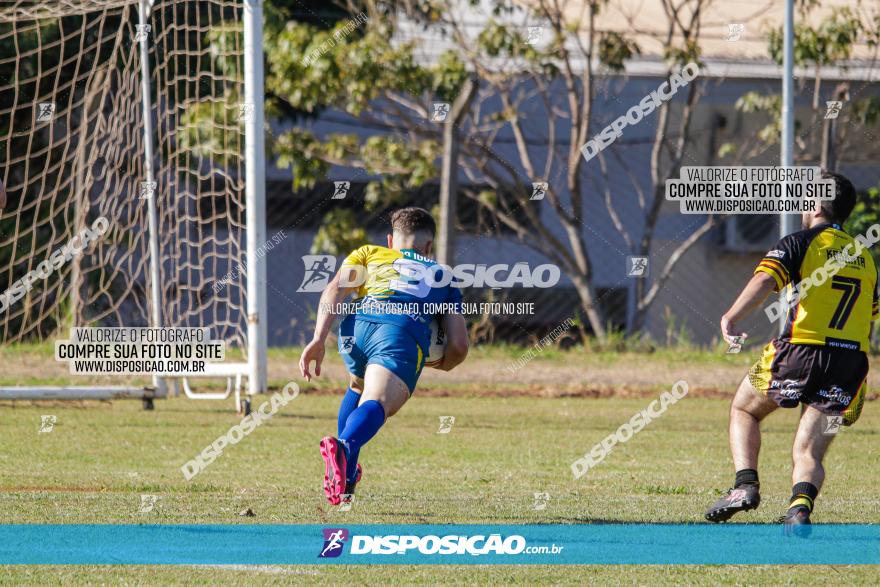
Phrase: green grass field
pixel 101 457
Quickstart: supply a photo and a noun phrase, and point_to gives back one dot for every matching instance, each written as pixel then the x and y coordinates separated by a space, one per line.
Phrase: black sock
pixel 803 494
pixel 746 476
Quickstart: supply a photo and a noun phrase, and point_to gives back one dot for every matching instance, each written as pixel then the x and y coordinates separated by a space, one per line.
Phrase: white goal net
pixel 83 137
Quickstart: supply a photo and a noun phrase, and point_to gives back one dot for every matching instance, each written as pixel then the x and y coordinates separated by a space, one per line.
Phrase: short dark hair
pixel 412 220
pixel 839 209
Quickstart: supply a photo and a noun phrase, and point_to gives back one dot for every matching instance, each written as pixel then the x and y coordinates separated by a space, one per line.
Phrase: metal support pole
pixel 255 195
pixel 149 175
pixel 828 159
pixel 788 223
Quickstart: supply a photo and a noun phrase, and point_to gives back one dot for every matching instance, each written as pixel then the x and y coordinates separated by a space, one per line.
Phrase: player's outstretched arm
pixel 456 341
pixel 332 295
pixel 752 296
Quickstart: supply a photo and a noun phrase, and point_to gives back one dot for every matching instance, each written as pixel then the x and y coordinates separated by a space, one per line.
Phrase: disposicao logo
pixel 408 544
pixel 334 540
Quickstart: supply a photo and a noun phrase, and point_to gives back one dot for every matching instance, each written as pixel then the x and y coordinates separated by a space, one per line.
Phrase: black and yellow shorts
pixel 832 380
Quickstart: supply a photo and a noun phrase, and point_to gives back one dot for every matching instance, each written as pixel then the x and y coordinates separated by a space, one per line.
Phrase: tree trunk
pixel 587 296
pixel 449 174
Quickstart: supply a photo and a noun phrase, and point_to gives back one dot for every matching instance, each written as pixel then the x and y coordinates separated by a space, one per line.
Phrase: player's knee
pixel 751 402
pixel 741 404
pixel 391 404
pixel 390 409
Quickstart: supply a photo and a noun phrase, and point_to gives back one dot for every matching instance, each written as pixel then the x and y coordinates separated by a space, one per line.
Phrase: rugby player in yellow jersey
pixel 818 361
pixel 384 343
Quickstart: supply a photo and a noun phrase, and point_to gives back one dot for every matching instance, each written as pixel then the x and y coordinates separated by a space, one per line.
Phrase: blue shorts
pixel 362 343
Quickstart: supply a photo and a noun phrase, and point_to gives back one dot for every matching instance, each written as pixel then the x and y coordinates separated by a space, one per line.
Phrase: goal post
pixel 255 188
pixel 147 114
pixel 155 318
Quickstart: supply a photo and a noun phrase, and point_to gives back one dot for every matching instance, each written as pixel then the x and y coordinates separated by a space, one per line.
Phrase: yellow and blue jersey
pixel 402 288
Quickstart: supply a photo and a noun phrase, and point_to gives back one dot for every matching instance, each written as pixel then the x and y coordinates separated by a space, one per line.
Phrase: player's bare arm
pixel 330 298
pixel 456 342
pixel 751 298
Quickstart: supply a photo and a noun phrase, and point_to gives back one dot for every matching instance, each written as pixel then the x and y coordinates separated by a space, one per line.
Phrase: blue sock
pixel 362 425
pixel 351 470
pixel 349 404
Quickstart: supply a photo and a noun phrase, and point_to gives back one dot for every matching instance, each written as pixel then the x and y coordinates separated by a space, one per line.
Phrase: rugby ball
pixel 438 344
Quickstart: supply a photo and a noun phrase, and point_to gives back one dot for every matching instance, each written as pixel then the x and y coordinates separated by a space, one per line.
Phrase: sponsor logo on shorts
pixel 789 388
pixel 836 394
